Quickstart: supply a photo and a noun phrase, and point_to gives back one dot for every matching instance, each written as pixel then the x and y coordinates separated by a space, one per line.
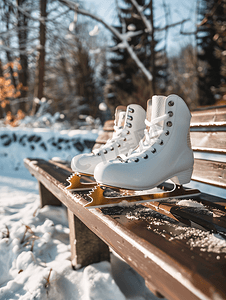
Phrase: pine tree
pixel 84 80
pixel 126 84
pixel 209 77
pixel 219 22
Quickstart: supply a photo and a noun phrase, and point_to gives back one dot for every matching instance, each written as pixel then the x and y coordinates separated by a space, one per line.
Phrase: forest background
pixel 81 59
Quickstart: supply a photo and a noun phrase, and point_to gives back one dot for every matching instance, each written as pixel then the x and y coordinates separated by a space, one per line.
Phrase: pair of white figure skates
pixel 146 149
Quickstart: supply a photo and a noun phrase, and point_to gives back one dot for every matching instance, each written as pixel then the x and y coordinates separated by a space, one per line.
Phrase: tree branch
pixel 122 37
pixel 142 16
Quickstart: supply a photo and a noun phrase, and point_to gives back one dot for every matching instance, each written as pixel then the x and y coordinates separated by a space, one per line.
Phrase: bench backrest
pixel 208 139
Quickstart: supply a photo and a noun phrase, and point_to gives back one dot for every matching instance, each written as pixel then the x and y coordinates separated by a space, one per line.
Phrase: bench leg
pixel 86 247
pixel 46 197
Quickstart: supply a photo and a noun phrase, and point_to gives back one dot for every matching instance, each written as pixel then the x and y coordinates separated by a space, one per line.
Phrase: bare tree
pixel 183 76
pixel 40 69
pixel 22 38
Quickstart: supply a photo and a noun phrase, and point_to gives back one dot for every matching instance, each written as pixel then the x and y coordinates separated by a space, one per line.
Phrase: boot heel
pixel 182 177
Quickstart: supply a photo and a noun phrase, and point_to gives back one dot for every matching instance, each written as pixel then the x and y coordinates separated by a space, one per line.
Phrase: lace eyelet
pixel 129 125
pixel 170 113
pixel 169 123
pixel 146 156
pixel 112 148
pixel 136 159
pixel 98 154
pixel 130 118
pixel 154 150
pixel 124 139
pixel 131 110
pixel 128 132
pixel 167 132
pixel 105 152
pixel 171 103
pixel 161 143
pixel 119 145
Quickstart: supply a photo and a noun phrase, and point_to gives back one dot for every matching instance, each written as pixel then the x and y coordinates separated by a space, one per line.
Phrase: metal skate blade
pixel 100 200
pixel 75 183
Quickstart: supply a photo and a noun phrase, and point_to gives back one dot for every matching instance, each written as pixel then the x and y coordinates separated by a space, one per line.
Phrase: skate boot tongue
pixel 155 109
pixel 158 108
pixel 120 113
pixel 149 110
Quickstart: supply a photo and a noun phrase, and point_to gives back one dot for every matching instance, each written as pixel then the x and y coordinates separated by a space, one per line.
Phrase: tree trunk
pixel 152 50
pixel 40 69
pixel 1 75
pixel 22 37
pixel 66 74
pixel 1 70
pixel 8 54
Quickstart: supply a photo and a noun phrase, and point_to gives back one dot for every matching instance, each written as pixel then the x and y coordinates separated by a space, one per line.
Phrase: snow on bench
pixel 178 246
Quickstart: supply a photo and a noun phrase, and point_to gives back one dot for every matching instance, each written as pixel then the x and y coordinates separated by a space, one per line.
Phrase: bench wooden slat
pixel 154 237
pixel 146 243
pixel 208 118
pixel 109 125
pixel 210 172
pixel 214 142
pixel 103 137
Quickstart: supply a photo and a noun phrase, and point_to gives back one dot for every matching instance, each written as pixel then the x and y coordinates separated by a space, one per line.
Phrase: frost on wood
pixel 172 230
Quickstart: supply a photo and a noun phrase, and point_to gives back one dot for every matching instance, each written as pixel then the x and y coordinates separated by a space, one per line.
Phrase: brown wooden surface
pixel 86 247
pixel 108 125
pixel 46 197
pixel 170 265
pixel 213 142
pixel 103 137
pixel 209 117
pixel 210 172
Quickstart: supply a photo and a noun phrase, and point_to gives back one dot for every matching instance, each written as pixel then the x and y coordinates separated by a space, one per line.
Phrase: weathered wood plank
pixel 86 247
pixel 103 137
pixel 214 142
pixel 109 125
pixel 159 259
pixel 46 197
pixel 210 172
pixel 209 117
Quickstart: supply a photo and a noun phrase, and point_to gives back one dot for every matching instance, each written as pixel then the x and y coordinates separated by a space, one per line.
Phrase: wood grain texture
pixel 209 117
pixel 103 137
pixel 46 197
pixel 170 266
pixel 210 172
pixel 213 142
pixel 86 247
pixel 109 125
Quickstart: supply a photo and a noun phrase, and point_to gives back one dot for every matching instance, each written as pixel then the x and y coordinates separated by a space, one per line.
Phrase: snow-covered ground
pixel 34 243
pixel 18 143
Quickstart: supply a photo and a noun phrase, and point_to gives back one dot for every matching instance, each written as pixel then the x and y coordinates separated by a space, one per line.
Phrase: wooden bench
pixel 179 250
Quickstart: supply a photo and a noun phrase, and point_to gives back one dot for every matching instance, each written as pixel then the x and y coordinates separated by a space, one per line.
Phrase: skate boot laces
pixel 151 136
pixel 119 136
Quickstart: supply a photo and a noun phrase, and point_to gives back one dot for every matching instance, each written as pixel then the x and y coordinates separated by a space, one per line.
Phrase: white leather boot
pixel 165 152
pixel 129 129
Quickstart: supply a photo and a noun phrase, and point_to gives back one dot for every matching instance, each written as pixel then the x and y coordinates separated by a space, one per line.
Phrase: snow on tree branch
pixel 146 22
pixel 142 16
pixel 172 25
pixel 122 37
pixel 24 12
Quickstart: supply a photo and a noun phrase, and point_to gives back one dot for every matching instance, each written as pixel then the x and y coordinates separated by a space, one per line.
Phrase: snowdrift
pixel 18 143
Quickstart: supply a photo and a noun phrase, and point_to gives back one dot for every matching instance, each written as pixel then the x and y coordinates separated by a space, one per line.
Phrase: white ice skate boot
pixel 165 152
pixel 129 129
